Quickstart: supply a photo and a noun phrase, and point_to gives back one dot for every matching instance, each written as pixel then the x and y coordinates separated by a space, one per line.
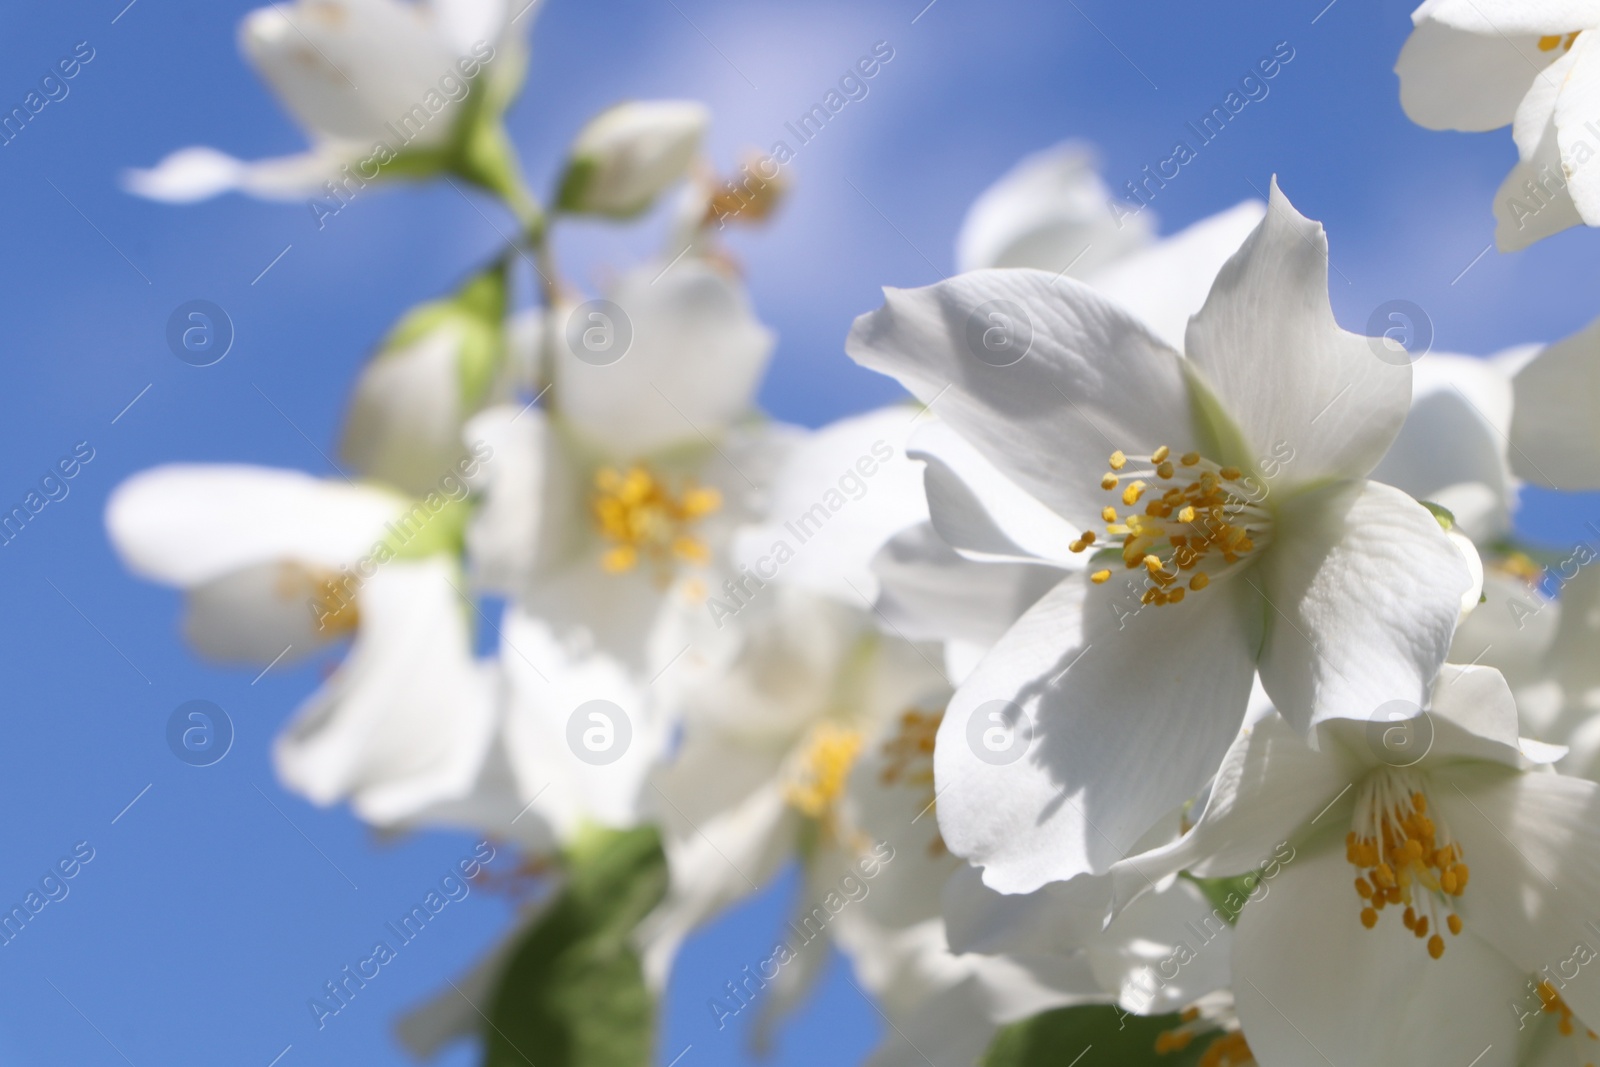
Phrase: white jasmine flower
pixel 1235 493
pixel 383 88
pixel 268 559
pixel 1446 865
pixel 610 510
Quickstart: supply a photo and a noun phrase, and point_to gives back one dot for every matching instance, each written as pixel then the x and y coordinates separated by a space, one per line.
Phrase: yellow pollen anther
pixel 1404 857
pixel 819 774
pixel 1118 460
pixel 1100 577
pixel 1194 522
pixel 643 519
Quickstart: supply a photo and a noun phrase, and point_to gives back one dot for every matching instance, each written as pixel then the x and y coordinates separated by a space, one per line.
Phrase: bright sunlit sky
pixel 218 904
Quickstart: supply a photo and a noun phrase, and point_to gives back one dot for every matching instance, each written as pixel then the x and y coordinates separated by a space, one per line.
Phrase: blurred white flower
pixel 1262 544
pixel 1051 212
pixel 383 88
pixel 629 154
pixel 272 561
pixel 608 511
pixel 1483 64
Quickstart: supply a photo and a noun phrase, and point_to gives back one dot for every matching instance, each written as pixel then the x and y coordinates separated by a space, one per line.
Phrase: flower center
pixel 1550 1003
pixel 908 760
pixel 1199 520
pixel 332 602
pixel 817 776
pixel 1558 40
pixel 1405 858
pixel 642 518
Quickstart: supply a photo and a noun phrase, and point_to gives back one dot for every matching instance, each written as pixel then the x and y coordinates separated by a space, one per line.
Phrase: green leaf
pixel 1096 1035
pixel 573 994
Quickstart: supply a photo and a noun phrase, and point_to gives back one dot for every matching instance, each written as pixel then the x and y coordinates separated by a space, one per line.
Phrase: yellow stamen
pixel 818 776
pixel 1195 521
pixel 1405 858
pixel 1118 460
pixel 1100 577
pixel 643 519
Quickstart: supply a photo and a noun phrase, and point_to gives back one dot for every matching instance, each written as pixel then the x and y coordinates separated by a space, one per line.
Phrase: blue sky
pixel 217 904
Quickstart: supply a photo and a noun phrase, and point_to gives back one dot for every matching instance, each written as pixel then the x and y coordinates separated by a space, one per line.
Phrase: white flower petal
pixel 404 420
pixel 1538 108
pixel 1167 282
pixel 345 68
pixel 1452 448
pixel 1313 986
pixel 199 173
pixel 1131 715
pixel 1456 79
pixel 526 521
pixel 841 492
pixel 1532 843
pixel 1051 212
pixel 548 684
pixel 1270 786
pixel 627 155
pixel 696 357
pixel 946 1006
pixel 465 23
pixel 1092 380
pixel 259 613
pixel 406 719
pixel 184 524
pixel 979 511
pixel 929 592
pixel 1555 435
pixel 1534 201
pixel 1500 17
pixel 1363 591
pixel 1577 118
pixel 1165 951
pixel 1280 365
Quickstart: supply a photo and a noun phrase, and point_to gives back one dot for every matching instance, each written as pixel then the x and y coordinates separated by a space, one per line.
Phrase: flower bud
pixel 626 156
pixel 432 373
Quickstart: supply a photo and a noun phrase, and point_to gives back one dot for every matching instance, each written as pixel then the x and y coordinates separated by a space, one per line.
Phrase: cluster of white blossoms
pixel 1169 669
